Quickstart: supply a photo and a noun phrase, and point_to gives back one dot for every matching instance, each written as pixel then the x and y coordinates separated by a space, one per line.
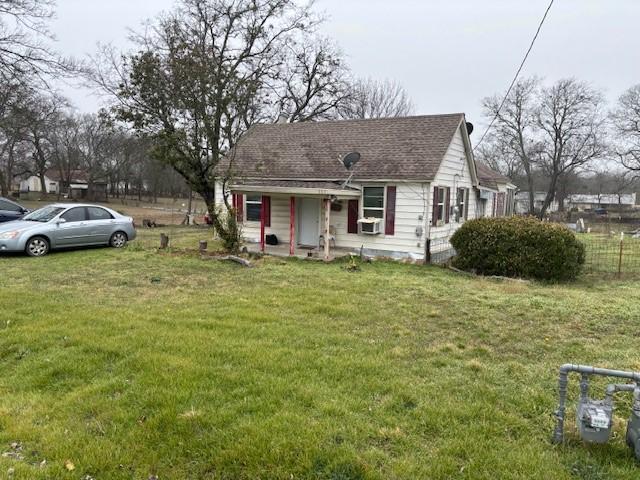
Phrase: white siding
pixel 279 221
pixel 411 208
pixel 454 173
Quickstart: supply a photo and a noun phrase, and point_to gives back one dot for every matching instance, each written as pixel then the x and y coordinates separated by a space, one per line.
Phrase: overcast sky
pixel 447 54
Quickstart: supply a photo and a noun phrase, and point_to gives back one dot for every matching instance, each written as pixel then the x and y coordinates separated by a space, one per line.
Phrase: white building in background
pixel 33 184
pixel 522 202
pixel 605 200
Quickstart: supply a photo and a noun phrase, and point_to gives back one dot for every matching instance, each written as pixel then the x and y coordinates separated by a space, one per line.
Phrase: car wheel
pixel 37 247
pixel 118 240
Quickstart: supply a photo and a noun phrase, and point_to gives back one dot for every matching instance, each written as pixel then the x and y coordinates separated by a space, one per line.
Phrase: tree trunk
pixel 43 183
pixel 4 191
pixel 532 196
pixel 548 199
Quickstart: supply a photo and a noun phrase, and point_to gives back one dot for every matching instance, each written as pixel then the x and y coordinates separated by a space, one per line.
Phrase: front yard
pixel 128 364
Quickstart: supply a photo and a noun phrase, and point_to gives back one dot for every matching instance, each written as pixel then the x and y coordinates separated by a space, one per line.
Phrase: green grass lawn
pixel 130 363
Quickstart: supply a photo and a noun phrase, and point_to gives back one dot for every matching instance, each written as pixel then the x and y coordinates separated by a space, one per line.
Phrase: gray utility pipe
pixel 619 387
pixel 585 370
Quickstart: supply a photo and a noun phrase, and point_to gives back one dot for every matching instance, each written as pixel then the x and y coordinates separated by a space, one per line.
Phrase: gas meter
pixel 594 418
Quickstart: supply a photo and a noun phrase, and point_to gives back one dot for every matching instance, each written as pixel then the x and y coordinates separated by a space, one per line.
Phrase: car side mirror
pixel 60 221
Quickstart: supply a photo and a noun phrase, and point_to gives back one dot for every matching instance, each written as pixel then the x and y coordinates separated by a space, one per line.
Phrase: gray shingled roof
pixel 487 177
pixel 390 148
pixel 293 184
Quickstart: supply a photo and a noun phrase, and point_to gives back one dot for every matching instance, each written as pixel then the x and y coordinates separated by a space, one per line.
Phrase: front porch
pixel 283 250
pixel 298 215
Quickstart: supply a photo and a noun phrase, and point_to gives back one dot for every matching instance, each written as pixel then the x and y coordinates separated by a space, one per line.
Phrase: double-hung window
pixel 373 202
pixel 461 204
pixel 253 207
pixel 440 204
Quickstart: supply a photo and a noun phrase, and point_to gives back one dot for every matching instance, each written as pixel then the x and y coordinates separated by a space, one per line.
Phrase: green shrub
pixel 518 247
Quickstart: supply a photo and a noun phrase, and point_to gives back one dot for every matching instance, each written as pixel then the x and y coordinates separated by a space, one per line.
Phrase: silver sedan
pixel 64 226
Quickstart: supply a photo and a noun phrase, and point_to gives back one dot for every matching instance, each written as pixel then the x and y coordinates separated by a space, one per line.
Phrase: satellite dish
pixel 469 128
pixel 350 159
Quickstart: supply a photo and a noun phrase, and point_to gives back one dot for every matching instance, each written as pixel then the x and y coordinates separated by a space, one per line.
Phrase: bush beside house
pixel 518 247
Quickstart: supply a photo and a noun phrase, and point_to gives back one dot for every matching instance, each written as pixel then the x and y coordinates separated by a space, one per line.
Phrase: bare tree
pixel 95 147
pixel 199 80
pixel 66 151
pixel 13 133
pixel 515 128
pixel 500 156
pixel 377 99
pixel 571 124
pixel 25 51
pixel 312 84
pixel 626 122
pixel 43 112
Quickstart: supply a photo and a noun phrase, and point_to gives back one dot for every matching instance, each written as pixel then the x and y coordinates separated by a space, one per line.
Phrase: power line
pixel 515 78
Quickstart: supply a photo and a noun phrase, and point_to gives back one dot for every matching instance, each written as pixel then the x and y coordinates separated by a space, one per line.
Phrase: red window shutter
pixel 353 211
pixel 447 199
pixel 390 211
pixel 266 205
pixel 434 214
pixel 238 204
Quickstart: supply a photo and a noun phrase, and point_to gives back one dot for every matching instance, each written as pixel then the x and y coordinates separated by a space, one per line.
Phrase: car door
pixel 74 231
pixel 9 211
pixel 101 224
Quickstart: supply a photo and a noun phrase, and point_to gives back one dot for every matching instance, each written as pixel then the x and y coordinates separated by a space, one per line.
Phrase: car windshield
pixel 44 214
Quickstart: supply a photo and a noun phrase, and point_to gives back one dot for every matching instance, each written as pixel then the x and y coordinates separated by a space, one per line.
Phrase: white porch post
pixel 292 225
pixel 327 222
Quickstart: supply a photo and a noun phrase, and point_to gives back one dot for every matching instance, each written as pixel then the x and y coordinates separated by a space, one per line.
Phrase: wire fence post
pixel 427 251
pixel 620 255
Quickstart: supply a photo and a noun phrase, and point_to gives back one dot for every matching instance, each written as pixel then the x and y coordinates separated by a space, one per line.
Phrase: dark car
pixel 601 212
pixel 10 210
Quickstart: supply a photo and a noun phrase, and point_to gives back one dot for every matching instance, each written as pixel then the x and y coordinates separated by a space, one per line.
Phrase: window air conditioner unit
pixel 485 194
pixel 370 226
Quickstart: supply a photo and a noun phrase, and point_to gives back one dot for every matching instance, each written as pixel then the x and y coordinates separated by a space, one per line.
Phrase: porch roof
pixel 296 187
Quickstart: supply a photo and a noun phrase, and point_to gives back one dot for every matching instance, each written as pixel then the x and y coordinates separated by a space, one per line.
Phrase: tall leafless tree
pixel 43 112
pixel 571 123
pixel 514 130
pixel 13 133
pixel 626 122
pixel 377 99
pixel 500 156
pixel 557 129
pixel 313 82
pixel 25 43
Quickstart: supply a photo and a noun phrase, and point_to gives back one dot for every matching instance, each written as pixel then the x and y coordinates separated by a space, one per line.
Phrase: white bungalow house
pixel 414 183
pixel 33 183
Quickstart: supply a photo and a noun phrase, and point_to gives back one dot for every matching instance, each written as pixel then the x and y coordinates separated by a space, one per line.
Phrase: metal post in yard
pixel 263 216
pixel 620 256
pixel 427 251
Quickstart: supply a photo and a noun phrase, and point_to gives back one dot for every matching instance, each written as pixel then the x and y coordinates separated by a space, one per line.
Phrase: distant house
pixel 496 193
pixel 609 201
pixel 415 182
pixel 74 186
pixel 522 203
pixel 33 183
pixel 579 201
